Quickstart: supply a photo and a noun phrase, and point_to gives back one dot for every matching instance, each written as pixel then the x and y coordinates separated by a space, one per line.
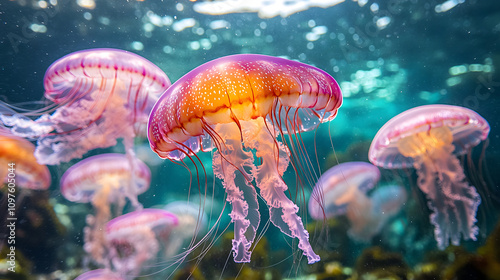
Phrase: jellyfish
pixel 99 274
pixel 103 180
pixel 244 106
pixel 388 200
pixel 429 138
pixel 343 189
pixel 17 154
pixel 192 221
pixel 133 238
pixel 99 96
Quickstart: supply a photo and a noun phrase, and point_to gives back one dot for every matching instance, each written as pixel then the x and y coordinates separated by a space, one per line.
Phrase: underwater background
pixel 387 57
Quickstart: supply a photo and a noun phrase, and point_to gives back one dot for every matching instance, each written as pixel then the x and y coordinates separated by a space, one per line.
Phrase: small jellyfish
pixel 104 180
pixel 99 274
pixel 192 222
pixel 387 202
pixel 245 106
pixel 429 138
pixel 133 238
pixel 16 154
pixel 99 96
pixel 388 199
pixel 342 190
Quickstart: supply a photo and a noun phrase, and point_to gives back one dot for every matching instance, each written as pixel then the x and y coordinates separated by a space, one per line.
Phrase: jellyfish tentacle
pixel 454 202
pixel 230 165
pixel 130 188
pixel 283 212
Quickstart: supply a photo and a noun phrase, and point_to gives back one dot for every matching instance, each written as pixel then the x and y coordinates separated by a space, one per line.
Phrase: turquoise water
pixel 386 57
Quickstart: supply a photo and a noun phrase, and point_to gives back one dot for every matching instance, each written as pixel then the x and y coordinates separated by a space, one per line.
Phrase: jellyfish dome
pixel 20 152
pixel 100 95
pixel 429 138
pixel 105 173
pixel 133 237
pixel 239 104
pixel 150 218
pixel 99 274
pixel 341 185
pixel 104 180
pixel 343 189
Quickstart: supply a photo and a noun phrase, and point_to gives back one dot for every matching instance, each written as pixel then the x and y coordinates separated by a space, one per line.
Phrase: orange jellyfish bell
pixel 19 152
pixel 241 103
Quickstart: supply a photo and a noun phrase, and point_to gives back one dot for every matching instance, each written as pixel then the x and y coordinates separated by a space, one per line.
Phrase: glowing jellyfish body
pixel 133 237
pixel 429 138
pixel 106 177
pixel 367 220
pixel 104 180
pixel 192 222
pixel 341 186
pixel 18 154
pixel 342 190
pixel 101 95
pixel 99 274
pixel 238 104
pixel 388 200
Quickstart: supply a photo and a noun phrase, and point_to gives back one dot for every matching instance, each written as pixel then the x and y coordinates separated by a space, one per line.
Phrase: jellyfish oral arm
pixel 229 165
pixel 234 164
pixel 283 212
pixel 275 160
pixel 441 177
pixel 130 249
pixel 24 127
pixel 365 222
pixel 453 201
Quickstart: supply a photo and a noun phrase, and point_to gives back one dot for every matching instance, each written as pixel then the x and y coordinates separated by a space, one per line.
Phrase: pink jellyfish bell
pixel 342 190
pixel 239 104
pixel 340 186
pixel 133 238
pixel 99 274
pixel 104 180
pixel 101 95
pixel 429 138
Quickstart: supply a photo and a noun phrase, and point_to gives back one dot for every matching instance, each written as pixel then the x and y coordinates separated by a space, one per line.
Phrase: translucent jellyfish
pixel 342 190
pixel 133 238
pixel 369 219
pixel 192 222
pixel 388 199
pixel 17 153
pixel 429 138
pixel 242 105
pixel 99 274
pixel 104 180
pixel 387 202
pixel 99 95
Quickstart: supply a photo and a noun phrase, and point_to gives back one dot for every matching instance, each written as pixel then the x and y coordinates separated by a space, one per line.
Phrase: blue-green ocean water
pixel 388 56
